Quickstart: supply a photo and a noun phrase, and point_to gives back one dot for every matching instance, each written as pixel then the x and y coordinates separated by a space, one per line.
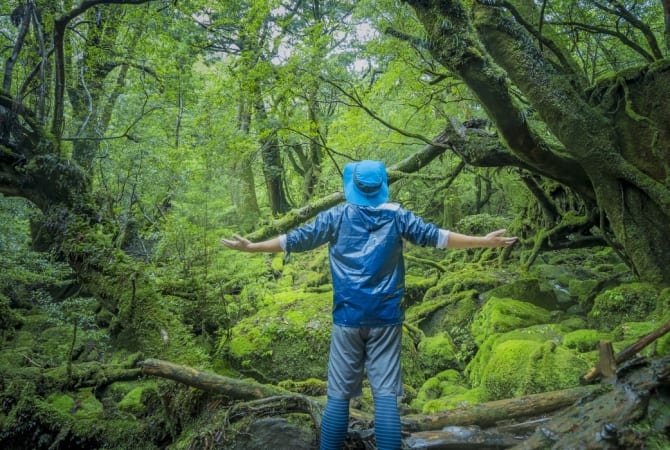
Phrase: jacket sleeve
pixel 416 231
pixel 321 231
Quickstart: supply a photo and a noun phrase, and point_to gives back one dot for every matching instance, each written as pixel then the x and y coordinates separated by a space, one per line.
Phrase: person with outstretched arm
pixel 365 237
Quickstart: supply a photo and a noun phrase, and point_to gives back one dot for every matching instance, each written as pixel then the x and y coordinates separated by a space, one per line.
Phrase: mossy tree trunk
pixel 609 142
pixel 33 162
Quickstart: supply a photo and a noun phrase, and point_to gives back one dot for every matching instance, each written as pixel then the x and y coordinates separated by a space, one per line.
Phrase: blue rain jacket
pixel 366 258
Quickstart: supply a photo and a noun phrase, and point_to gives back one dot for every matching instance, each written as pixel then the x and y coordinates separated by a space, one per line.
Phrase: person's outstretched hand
pixel 496 239
pixel 237 243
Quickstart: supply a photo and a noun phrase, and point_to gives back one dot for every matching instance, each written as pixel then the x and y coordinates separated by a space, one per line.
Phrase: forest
pixel 136 134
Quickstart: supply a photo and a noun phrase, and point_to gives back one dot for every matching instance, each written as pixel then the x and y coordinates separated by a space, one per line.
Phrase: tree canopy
pixel 134 134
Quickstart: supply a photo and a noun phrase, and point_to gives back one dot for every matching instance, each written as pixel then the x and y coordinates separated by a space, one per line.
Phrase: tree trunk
pixel 615 157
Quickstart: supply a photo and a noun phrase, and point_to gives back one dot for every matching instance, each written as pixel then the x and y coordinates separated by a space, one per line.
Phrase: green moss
pixel 437 353
pixel 519 367
pixel 499 315
pixel 416 287
pixel 88 406
pixel 585 340
pixel 455 400
pixel 624 303
pixel 132 401
pixel 537 333
pixel 288 338
pixel 526 290
pixel 61 402
pixel 462 277
pixel 573 323
pixel 446 391
pixel 312 386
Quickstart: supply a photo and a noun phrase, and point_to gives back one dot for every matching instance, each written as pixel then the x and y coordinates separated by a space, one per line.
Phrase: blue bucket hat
pixel 365 183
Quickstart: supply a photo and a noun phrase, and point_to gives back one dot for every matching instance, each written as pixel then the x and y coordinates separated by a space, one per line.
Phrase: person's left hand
pixel 237 243
pixel 496 239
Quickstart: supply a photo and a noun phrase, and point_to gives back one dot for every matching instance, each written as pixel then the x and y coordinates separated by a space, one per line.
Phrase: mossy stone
pixel 132 401
pixel 540 333
pixel 585 340
pixel 630 302
pixel 499 315
pixel 288 338
pixel 437 353
pixel 520 367
pixel 526 290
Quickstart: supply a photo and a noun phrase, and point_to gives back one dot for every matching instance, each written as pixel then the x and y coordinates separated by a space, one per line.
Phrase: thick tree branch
pixel 297 216
pixel 596 29
pixel 60 25
pixel 620 10
pixel 18 44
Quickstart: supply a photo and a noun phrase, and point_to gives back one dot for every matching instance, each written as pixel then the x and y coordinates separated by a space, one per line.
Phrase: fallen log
pixel 608 421
pixel 595 372
pixel 211 382
pixel 83 375
pixel 490 413
pixel 460 438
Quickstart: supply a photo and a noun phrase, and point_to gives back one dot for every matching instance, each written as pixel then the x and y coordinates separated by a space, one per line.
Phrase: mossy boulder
pixel 288 338
pixel 455 397
pixel 527 290
pixel 585 340
pixel 450 314
pixel 416 287
pixel 445 390
pixel 522 367
pixel 499 315
pixel 630 302
pixel 132 401
pixel 312 387
pixel 537 333
pixel 463 277
pixel 437 353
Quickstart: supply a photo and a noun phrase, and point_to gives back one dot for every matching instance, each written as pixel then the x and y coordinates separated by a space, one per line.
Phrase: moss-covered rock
pixel 445 386
pixel 455 398
pixel 585 340
pixel 288 338
pixel 463 277
pixel 527 290
pixel 537 333
pixel 624 303
pixel 437 353
pixel 521 367
pixel 499 315
pixel 416 287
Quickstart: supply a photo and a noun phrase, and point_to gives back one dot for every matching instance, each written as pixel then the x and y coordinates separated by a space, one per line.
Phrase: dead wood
pixel 461 438
pixel 489 414
pixel 211 382
pixel 587 417
pixel 83 375
pixel 605 422
pixel 595 372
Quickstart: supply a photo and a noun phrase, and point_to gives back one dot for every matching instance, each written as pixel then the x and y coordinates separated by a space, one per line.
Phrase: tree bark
pixel 208 381
pixel 613 157
pixel 490 413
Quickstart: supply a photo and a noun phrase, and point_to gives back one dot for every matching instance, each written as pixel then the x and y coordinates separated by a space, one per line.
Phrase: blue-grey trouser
pixel 352 350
